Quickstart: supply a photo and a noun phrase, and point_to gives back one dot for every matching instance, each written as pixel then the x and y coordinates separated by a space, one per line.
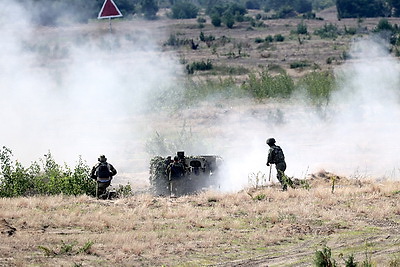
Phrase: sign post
pixel 109 10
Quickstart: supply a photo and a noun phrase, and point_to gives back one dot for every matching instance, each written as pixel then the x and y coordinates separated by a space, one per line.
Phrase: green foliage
pixel 48 179
pixel 67 249
pixel 279 38
pixel 228 20
pixel 318 86
pixel 266 85
pixel 384 25
pixel 300 64
pixel 184 10
pixel 362 8
pixel 302 28
pixel 323 258
pixel 329 30
pixel 199 65
pixel 149 8
pixel 173 40
pixel 216 20
pixel 206 39
pixel 350 261
pixel 299 6
pixel 395 262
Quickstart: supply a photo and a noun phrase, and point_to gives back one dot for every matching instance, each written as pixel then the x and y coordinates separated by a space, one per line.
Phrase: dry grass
pixel 265 225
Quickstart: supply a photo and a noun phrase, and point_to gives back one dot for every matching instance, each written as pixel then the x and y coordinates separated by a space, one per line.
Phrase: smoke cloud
pixel 355 135
pixel 84 92
pixel 78 91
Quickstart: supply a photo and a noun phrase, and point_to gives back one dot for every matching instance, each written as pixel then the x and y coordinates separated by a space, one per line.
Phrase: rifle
pixel 270 169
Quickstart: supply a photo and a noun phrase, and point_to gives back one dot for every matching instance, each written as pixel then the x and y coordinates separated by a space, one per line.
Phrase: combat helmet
pixel 102 158
pixel 270 141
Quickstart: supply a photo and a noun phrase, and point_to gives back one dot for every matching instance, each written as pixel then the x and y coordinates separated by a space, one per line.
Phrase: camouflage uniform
pixel 175 171
pixel 276 156
pixel 102 182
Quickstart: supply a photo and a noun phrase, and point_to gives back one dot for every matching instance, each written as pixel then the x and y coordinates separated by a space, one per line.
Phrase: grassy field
pixel 254 227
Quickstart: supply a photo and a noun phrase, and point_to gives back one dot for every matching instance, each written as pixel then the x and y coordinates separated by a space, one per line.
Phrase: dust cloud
pixel 355 135
pixel 78 90
pixel 87 93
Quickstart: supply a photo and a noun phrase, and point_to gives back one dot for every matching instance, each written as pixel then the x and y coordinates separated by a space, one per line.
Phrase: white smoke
pixel 84 92
pixel 356 135
pixel 78 91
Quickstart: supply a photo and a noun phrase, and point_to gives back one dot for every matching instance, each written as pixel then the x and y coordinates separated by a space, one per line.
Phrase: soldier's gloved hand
pixel 267 164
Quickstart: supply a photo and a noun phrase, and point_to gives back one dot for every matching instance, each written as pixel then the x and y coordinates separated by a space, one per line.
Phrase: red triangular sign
pixel 109 10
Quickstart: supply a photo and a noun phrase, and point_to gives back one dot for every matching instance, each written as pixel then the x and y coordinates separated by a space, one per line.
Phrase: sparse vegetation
pixel 261 224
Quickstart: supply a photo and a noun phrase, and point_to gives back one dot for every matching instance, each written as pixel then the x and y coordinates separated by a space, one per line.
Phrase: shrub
pixel 323 258
pixel 269 39
pixel 184 10
pixel 216 20
pixel 318 86
pixel 299 64
pixel 279 38
pixel 302 28
pixel 265 85
pixel 384 25
pixel 229 20
pixel 327 31
pixel 48 179
pixel 175 41
pixel 201 20
pixel 259 40
pixel 199 65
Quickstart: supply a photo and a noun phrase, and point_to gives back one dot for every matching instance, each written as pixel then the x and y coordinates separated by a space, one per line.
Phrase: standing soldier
pixel 103 173
pixel 276 156
pixel 175 171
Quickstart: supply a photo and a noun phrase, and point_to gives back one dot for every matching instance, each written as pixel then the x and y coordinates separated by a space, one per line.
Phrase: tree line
pixel 55 12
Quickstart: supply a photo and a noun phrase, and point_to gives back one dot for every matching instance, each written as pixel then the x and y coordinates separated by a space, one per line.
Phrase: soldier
pixel 276 156
pixel 103 173
pixel 175 171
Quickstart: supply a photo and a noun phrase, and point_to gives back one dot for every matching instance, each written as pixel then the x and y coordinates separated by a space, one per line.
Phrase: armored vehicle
pixel 199 173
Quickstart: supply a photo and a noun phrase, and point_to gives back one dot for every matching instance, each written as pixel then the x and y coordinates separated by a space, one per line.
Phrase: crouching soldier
pixel 103 173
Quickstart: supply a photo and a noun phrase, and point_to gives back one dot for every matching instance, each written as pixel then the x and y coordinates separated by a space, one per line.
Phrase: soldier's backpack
pixel 103 171
pixel 277 154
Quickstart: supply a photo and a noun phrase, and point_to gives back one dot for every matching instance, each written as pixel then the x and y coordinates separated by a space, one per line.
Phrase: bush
pixel 302 28
pixel 318 86
pixel 323 258
pixel 199 65
pixel 184 10
pixel 300 64
pixel 269 39
pixel 265 85
pixel 216 20
pixel 327 31
pixel 279 38
pixel 48 179
pixel 229 20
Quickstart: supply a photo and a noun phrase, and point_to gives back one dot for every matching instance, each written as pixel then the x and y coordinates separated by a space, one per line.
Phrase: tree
pixel 184 10
pixel 149 8
pixel 361 8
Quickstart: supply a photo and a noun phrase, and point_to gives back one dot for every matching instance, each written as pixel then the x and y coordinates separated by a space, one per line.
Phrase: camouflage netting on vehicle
pixel 158 177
